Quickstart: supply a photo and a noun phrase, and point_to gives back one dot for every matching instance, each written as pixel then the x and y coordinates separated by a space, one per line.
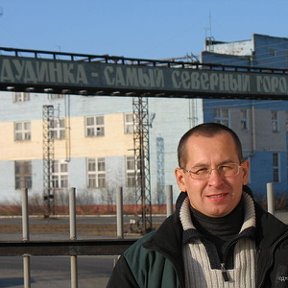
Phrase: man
pixel 218 236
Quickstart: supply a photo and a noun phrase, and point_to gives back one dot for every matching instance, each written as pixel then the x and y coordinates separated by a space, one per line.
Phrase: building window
pixel 244 119
pixel 94 126
pixel 272 51
pixel 221 115
pixel 22 131
pixel 57 128
pixel 275 121
pixel 56 96
pixel 59 174
pixel 276 167
pixel 96 170
pixel 23 174
pixel 132 171
pixel 128 123
pixel 21 97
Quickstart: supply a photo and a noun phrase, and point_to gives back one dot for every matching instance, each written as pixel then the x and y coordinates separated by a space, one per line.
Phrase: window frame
pixel 97 126
pixel 60 175
pixel 23 174
pixel 22 131
pixel 96 177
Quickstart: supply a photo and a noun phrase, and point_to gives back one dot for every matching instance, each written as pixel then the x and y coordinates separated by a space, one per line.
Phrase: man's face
pixel 215 196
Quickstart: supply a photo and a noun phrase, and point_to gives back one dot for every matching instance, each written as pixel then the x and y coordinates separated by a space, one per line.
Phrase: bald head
pixel 206 130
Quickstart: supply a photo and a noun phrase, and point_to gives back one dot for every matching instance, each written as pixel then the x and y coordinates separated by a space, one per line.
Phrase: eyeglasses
pixel 224 170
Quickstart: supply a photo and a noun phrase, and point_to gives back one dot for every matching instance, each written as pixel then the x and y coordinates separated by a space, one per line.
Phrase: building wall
pixel 237 48
pixel 171 118
pixel 270 51
pixel 259 140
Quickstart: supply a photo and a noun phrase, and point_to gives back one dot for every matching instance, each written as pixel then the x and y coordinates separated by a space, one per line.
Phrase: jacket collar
pixel 190 232
pixel 268 228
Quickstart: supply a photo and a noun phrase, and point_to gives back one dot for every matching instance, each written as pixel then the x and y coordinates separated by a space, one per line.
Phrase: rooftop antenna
pixel 210 24
pixel 209 37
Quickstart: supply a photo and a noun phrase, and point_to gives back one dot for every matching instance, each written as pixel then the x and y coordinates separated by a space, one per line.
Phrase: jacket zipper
pixel 222 265
pixel 224 272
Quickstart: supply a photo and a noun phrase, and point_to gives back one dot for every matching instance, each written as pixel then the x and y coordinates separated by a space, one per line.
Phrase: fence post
pixel 73 236
pixel 119 212
pixel 169 200
pixel 270 198
pixel 25 237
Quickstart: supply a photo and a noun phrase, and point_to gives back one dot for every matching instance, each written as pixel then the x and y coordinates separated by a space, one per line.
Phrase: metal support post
pixel 119 206
pixel 73 236
pixel 270 198
pixel 25 237
pixel 169 200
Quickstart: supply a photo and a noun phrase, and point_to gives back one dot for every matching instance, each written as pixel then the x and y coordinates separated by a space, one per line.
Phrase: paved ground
pixel 86 227
pixel 94 271
pixel 54 272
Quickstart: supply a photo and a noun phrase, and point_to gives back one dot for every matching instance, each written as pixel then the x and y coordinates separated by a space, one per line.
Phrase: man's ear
pixel 180 178
pixel 245 167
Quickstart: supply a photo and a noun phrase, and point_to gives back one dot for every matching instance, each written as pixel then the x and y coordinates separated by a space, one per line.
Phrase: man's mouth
pixel 217 196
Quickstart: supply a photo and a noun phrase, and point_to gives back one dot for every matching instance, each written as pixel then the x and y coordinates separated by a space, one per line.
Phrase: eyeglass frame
pixel 209 171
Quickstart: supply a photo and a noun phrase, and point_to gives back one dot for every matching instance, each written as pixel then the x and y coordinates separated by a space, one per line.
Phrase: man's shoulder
pixel 165 235
pixel 264 218
pixel 136 255
pixel 143 239
pixel 138 244
pixel 269 228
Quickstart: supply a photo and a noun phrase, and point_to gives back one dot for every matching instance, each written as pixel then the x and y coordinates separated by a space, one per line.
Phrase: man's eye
pixel 201 171
pixel 225 168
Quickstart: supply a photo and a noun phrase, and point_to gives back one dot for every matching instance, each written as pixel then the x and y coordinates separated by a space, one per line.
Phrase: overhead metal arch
pixel 68 73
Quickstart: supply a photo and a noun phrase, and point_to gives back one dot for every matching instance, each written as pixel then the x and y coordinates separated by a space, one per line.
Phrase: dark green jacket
pixel 155 261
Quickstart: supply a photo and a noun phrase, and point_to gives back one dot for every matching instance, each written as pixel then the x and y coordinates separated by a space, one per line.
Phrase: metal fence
pixel 72 247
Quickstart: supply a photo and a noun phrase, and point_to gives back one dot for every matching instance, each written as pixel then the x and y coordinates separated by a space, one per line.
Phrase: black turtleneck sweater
pixel 221 230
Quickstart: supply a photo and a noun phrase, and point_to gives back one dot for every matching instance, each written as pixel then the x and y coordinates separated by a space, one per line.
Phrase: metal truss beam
pixel 48 158
pixel 142 161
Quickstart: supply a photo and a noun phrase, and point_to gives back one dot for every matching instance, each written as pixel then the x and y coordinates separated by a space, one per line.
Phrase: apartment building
pixel 261 124
pixel 93 148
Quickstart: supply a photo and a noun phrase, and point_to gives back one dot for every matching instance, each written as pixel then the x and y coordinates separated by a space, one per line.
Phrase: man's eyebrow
pixel 199 165
pixel 196 165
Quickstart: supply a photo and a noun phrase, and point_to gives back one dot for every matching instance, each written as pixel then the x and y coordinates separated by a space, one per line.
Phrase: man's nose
pixel 215 177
